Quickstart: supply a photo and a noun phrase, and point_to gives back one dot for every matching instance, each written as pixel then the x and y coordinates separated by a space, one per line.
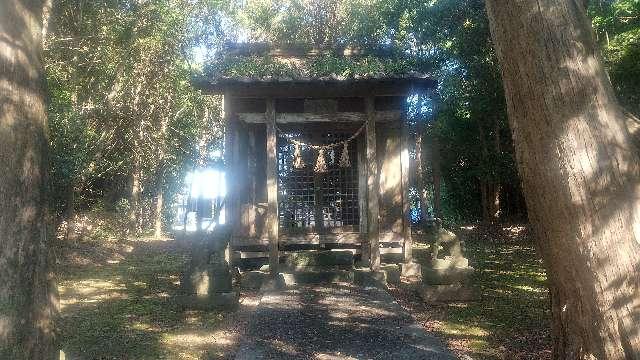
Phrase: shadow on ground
pixel 512 319
pixel 124 307
pixel 337 321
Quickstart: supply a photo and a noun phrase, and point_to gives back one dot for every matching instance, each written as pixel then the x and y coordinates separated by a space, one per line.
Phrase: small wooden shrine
pixel 318 163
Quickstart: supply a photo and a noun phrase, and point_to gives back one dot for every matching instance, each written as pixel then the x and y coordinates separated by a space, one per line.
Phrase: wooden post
pixel 272 186
pixel 373 209
pixel 230 158
pixel 362 201
pixel 406 202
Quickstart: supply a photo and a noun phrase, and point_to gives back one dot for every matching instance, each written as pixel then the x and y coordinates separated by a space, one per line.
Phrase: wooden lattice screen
pixel 306 196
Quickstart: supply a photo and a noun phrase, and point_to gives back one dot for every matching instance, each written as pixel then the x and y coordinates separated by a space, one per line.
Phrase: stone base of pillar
pixel 371 278
pixel 411 269
pixel 392 272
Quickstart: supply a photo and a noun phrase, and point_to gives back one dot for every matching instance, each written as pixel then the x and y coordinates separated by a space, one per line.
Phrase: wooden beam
pixel 315 88
pixel 272 186
pixel 380 116
pixel 373 208
pixel 406 202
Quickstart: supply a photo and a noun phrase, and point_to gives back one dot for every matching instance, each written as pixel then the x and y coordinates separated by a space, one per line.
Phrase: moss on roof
pixel 263 64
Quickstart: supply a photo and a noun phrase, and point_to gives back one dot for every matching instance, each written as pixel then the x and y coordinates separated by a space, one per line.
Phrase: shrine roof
pixel 258 70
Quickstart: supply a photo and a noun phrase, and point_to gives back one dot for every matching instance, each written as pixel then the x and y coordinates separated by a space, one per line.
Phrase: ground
pixel 337 321
pixel 512 319
pixel 117 302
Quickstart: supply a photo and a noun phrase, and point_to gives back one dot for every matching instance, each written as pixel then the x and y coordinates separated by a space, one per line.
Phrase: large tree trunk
pixel 27 296
pixel 580 172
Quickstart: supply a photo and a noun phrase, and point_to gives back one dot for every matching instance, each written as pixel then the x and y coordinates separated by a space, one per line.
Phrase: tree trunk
pixel 158 214
pixel 494 201
pixel 134 210
pixel 69 212
pixel 496 186
pixel 437 176
pixel 27 291
pixel 580 173
pixel 484 201
pixel 421 183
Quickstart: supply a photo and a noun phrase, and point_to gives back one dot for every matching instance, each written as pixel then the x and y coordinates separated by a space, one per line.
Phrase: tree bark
pixel 421 183
pixel 69 211
pixel 437 176
pixel 496 185
pixel 27 291
pixel 580 173
pixel 134 210
pixel 158 213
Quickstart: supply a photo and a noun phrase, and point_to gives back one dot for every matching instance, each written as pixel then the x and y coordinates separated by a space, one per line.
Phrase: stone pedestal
pixel 447 274
pixel 207 282
pixel 369 278
pixel 411 269
pixel 392 272
pixel 253 279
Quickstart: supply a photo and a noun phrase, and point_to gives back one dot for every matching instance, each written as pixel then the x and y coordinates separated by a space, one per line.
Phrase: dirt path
pixel 337 321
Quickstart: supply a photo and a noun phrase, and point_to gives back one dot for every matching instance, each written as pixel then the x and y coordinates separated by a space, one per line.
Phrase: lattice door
pixel 317 203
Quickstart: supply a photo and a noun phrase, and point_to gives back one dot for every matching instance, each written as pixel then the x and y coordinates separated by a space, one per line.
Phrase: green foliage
pixel 617 27
pixel 327 23
pixel 121 100
pixel 471 123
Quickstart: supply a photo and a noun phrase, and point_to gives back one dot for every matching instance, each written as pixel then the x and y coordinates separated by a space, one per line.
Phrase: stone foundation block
pixel 448 293
pixel 253 279
pixel 207 279
pixel 447 276
pixel 313 276
pixel 320 258
pixel 274 283
pixel 392 272
pixel 411 269
pixel 370 278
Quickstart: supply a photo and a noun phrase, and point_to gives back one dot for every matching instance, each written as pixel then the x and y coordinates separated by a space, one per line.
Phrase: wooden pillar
pixel 406 200
pixel 373 208
pixel 362 199
pixel 230 158
pixel 272 185
pixel 231 169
